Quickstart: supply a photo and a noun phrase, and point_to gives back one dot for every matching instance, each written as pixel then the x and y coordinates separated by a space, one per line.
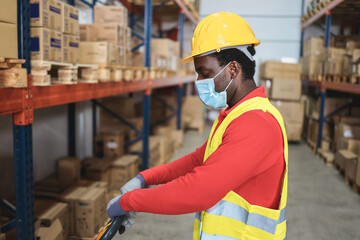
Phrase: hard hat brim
pixel 187 59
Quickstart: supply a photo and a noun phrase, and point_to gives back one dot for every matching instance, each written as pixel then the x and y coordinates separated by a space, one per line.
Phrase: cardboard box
pixel 8 11
pixel 56 50
pixel 54 232
pixel 98 169
pixel 114 144
pixel 71 199
pixel 350 144
pixel 90 212
pixel 120 55
pixel 69 169
pixel 194 109
pixel 59 211
pixel 71 52
pixel 154 150
pixel 70 21
pixel 283 89
pixel 39 13
pixel 97 53
pixel 123 169
pixel 313 46
pixel 342 156
pixel 178 137
pixel 290 111
pixel 8 40
pixel 103 32
pixel 111 14
pixel 55 15
pixel 40 44
pixel 351 163
pixel 272 69
pixel 127 37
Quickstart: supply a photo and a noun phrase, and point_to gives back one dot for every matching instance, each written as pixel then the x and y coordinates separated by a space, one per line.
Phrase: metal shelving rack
pixel 335 8
pixel 22 102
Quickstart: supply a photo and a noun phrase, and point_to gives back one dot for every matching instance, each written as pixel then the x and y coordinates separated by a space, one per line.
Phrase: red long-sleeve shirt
pixel 249 161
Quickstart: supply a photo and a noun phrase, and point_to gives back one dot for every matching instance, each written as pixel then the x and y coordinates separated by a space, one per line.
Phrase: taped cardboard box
pixel 114 144
pixel 69 169
pixel 98 169
pixel 351 165
pixel 40 43
pixel 97 53
pixel 350 144
pixel 103 32
pixel 8 11
pixel 71 48
pixel 178 137
pixel 283 89
pixel 39 13
pixel 56 15
pixel 154 150
pixel 290 111
pixel 56 50
pixel 90 212
pixel 54 232
pixel 345 131
pixel 111 14
pixel 313 46
pixel 8 40
pixel 71 198
pixel 272 69
pixel 342 156
pixel 70 21
pixel 59 211
pixel 123 169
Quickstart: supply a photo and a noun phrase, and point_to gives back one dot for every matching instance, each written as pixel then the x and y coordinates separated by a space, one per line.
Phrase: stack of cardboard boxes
pixel 54 31
pixel 339 62
pixel 8 29
pixel 283 87
pixel 107 41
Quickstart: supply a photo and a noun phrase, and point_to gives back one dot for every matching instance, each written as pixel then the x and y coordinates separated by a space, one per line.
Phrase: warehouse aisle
pixel 313 211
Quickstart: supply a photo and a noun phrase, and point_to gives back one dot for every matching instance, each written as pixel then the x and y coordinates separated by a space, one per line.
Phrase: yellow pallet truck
pixel 111 229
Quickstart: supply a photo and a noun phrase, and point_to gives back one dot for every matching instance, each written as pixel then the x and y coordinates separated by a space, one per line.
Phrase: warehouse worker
pixel 237 181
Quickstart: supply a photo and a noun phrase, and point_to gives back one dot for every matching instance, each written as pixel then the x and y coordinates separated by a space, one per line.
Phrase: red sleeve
pixel 168 172
pixel 240 157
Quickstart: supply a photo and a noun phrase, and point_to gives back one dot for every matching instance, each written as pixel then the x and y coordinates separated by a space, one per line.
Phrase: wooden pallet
pixel 87 73
pixel 327 156
pixel 311 144
pixel 336 78
pixel 11 73
pixel 352 184
pixel 339 169
pixel 47 72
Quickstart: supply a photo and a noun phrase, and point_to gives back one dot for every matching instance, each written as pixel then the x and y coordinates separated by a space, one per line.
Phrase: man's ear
pixel 235 69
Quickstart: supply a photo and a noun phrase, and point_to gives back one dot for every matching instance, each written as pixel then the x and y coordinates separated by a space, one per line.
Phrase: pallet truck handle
pixel 112 227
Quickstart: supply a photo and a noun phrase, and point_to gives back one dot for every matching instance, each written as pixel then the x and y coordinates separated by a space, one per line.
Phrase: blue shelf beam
pixel 179 106
pixel 146 130
pixel 328 28
pixel 181 32
pixel 71 130
pixel 23 160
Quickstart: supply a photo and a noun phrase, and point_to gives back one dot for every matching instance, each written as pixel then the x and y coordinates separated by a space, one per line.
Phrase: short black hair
pixel 225 56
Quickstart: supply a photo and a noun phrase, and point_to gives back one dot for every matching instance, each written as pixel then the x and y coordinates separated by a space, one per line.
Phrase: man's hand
pixel 137 182
pixel 114 208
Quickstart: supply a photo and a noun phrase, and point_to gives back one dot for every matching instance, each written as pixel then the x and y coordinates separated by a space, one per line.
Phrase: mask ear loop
pixel 228 85
pixel 222 70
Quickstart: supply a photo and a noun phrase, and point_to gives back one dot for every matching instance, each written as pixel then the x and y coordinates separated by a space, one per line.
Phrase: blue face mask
pixel 207 94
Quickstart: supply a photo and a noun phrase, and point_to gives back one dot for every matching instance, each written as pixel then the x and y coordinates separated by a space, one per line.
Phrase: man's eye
pixel 206 75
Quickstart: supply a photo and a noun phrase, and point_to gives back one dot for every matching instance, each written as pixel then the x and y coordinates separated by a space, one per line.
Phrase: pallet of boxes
pixel 54 42
pixel 107 43
pixel 347 147
pixel 11 73
pixel 283 87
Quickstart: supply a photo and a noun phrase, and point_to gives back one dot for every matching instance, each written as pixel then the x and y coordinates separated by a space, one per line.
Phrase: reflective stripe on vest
pixel 233 217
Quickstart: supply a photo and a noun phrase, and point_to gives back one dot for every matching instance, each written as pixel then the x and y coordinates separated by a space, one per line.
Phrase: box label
pixel 73 44
pixel 56 43
pixel 55 9
pixel 74 16
pixel 35 44
pixel 34 10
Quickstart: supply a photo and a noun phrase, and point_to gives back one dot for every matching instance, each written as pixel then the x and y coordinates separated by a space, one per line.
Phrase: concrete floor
pixel 320 205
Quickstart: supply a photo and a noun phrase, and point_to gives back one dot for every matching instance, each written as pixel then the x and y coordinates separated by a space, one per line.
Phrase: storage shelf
pixel 12 99
pixel 341 87
pixel 321 13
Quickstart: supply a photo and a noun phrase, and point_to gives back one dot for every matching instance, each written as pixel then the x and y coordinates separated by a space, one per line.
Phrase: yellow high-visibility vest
pixel 233 217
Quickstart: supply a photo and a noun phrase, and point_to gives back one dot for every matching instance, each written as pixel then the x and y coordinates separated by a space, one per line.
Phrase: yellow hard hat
pixel 220 30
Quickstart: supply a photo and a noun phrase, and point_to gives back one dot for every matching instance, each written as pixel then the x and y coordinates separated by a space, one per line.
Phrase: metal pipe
pixel 327 30
pixel 181 32
pixel 179 105
pixel 321 117
pixel 71 130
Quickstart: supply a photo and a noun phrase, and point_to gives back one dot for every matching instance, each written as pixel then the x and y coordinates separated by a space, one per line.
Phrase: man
pixel 236 181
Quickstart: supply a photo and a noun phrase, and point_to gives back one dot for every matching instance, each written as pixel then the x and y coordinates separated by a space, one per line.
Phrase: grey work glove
pixel 137 182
